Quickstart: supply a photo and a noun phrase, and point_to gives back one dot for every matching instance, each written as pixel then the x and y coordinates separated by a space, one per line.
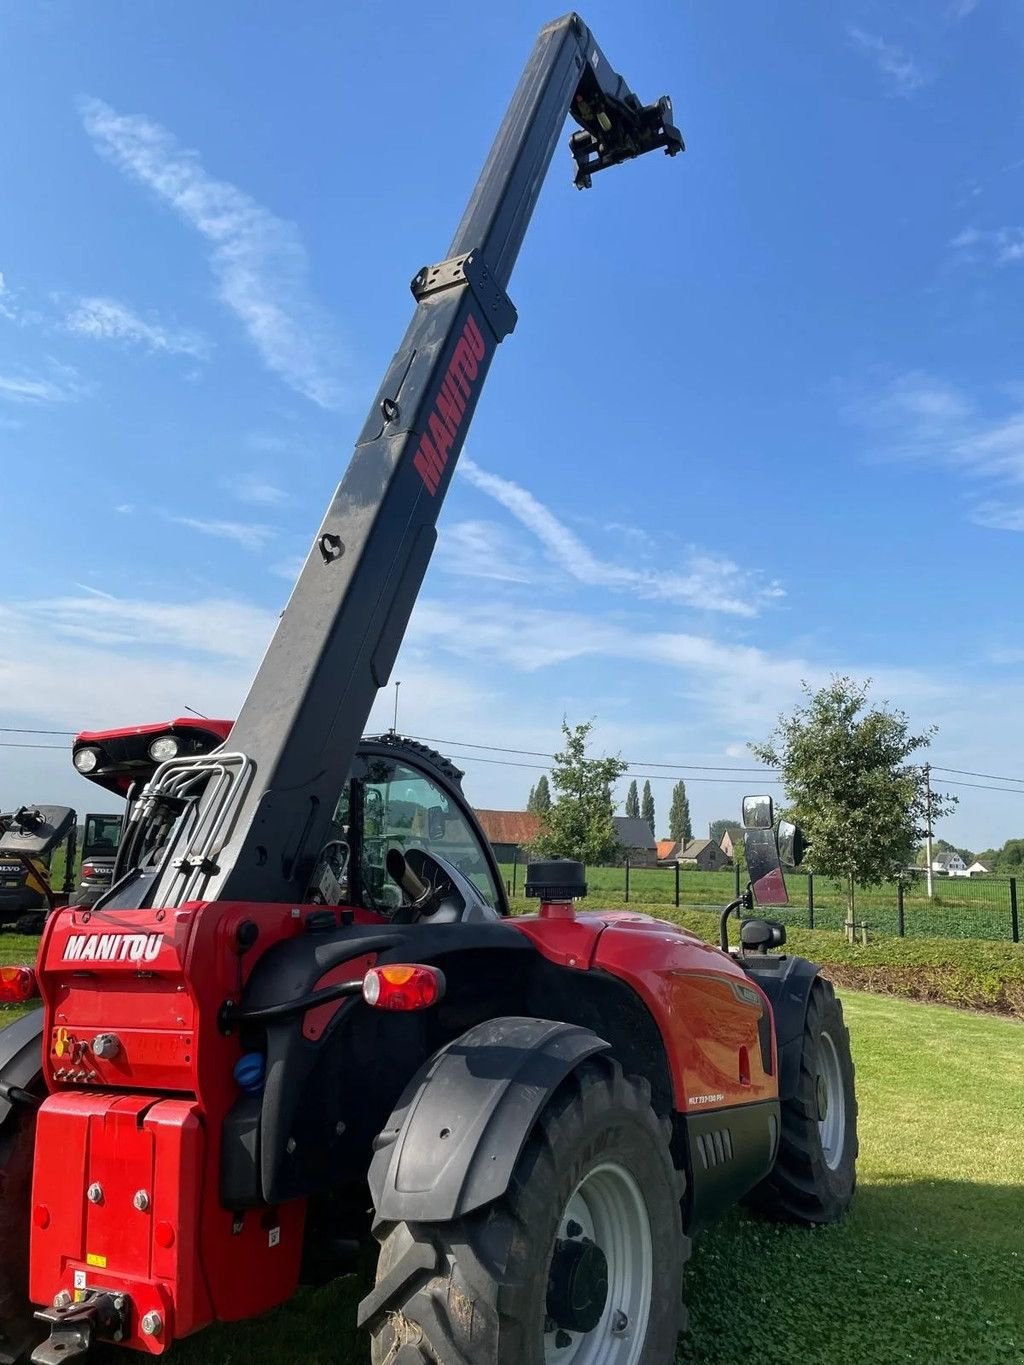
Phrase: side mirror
pixel 767 882
pixel 758 812
pixel 792 844
pixel 437 822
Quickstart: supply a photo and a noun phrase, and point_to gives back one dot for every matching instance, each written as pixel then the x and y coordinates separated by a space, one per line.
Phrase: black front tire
pixel 815 1172
pixel 476 1291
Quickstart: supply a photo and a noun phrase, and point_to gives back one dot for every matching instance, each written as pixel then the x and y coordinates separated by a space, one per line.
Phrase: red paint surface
pixel 705 1006
pixel 93 1128
pixel 216 727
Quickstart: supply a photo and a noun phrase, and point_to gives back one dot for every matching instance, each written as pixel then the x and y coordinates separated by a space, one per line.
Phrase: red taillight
pixel 88 870
pixel 403 987
pixel 17 984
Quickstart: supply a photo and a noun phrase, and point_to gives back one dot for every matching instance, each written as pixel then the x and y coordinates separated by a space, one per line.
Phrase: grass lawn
pixel 929 1266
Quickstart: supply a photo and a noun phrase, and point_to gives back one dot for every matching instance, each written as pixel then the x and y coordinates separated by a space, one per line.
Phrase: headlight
pixel 85 760
pixel 163 748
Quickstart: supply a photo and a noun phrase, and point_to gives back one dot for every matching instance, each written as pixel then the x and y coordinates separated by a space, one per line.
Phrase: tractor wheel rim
pixel 608 1212
pixel 832 1122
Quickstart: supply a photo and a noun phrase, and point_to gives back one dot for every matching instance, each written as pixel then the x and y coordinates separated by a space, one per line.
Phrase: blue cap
pixel 249 1072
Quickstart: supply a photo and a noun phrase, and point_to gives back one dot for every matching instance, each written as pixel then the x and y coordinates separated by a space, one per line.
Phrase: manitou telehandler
pixel 302 1018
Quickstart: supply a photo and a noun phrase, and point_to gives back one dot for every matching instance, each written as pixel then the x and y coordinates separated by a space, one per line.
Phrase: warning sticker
pixel 91 1258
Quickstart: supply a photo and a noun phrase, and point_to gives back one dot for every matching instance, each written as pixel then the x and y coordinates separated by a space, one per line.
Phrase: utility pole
pixel 394 727
pixel 928 817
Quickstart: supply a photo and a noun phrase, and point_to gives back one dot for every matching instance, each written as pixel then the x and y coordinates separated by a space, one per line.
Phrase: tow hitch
pixel 74 1326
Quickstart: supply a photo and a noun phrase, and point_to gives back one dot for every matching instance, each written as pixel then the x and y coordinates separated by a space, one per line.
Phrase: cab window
pixel 403 808
pixel 102 834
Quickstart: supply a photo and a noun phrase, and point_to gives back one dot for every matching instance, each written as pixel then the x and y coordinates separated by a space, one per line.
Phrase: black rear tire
pixel 31 922
pixel 18 1330
pixel 815 1172
pixel 476 1291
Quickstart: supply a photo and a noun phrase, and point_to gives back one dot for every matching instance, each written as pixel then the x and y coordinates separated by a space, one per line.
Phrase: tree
pixel 845 768
pixel 540 797
pixel 679 825
pixel 531 798
pixel 1011 856
pixel 647 806
pixel 579 823
pixel 632 806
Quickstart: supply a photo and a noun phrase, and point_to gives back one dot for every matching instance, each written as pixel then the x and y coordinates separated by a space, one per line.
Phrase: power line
pixel 12 744
pixel 657 777
pixel 13 730
pixel 983 787
pixel 631 763
pixel 963 772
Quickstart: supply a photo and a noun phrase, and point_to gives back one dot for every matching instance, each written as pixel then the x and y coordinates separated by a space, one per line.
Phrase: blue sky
pixel 762 419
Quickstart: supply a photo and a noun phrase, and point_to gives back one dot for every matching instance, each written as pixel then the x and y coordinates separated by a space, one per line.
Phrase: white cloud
pixel 901 74
pixel 920 417
pixel 258 259
pixel 218 627
pixel 483 549
pixel 989 246
pixel 997 517
pixel 250 488
pixel 739 689
pixel 250 535
pixel 709 582
pixel 82 661
pixel 288 569
pixel 107 320
pixel 61 386
pixel 7 309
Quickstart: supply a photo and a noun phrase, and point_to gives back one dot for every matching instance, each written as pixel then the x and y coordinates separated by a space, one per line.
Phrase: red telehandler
pixel 301 1018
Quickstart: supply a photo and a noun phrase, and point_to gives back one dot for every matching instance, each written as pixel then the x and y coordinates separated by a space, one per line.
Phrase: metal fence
pixel 959 907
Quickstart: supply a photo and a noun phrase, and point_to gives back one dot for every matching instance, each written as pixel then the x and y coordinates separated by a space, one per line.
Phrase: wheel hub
pixel 577 1285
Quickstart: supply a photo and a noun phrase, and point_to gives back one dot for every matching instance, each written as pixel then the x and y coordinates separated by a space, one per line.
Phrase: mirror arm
pixel 744 902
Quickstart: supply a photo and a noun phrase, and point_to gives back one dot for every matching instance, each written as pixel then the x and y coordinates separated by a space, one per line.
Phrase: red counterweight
pixel 125 1195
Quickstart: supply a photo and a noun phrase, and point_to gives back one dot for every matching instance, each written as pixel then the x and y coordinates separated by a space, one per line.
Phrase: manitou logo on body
pixel 449 410
pixel 113 947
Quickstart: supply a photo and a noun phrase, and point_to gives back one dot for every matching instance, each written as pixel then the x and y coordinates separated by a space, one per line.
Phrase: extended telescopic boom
pixel 338 637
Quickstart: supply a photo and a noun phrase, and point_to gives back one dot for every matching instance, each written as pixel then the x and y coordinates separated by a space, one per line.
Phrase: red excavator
pixel 301 1020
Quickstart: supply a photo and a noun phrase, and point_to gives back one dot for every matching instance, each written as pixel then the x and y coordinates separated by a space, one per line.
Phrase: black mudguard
pixel 454 1138
pixel 21 1057
pixel 787 982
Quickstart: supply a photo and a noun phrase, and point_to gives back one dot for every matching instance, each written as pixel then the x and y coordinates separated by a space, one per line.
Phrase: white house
pixel 978 868
pixel 950 865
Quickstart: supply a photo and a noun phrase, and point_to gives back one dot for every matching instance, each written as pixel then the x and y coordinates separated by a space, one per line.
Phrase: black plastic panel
pixel 729 1152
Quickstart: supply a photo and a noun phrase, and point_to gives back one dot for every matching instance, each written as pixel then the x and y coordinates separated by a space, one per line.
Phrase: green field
pixel 959 908
pixel 929 1266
